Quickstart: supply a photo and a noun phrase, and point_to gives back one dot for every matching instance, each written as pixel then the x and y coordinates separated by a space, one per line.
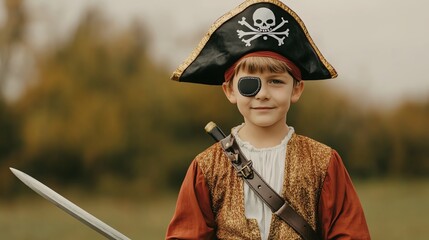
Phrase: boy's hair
pixel 262 64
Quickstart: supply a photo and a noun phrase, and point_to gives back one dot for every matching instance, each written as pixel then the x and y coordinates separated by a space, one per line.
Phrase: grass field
pixel 395 210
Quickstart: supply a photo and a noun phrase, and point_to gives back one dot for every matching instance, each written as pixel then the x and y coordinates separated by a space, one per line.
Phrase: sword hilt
pixel 214 131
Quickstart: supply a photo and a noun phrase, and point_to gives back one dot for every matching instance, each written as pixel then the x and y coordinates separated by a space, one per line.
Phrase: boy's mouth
pixel 262 108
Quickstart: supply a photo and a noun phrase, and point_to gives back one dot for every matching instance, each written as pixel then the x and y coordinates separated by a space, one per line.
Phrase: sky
pixel 379 48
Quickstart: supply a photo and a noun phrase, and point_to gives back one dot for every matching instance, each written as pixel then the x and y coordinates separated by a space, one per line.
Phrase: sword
pixel 69 207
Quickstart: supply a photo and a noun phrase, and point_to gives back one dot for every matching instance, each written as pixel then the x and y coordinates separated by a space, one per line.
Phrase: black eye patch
pixel 249 86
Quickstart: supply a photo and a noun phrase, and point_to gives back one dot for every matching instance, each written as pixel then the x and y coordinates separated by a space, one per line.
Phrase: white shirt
pixel 270 164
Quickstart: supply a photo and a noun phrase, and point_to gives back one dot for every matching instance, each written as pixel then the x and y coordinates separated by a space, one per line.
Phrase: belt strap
pixel 274 201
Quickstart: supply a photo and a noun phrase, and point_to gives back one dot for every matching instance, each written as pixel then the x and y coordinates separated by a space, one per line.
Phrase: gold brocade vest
pixel 305 169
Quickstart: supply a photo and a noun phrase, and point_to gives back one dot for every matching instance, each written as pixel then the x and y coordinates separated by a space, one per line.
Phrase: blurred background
pixel 87 107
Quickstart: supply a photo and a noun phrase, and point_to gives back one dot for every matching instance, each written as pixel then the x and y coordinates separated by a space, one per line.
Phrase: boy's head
pixel 254 27
pixel 263 88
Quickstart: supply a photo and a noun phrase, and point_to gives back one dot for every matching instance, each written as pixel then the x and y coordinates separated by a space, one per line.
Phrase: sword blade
pixel 69 207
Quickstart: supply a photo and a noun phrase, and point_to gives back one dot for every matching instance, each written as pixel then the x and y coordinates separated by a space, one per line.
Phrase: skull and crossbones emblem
pixel 264 25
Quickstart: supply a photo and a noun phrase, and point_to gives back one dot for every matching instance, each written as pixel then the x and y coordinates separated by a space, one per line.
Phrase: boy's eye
pixel 275 81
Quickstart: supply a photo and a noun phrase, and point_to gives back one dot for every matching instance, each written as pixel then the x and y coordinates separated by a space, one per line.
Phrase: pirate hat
pixel 255 25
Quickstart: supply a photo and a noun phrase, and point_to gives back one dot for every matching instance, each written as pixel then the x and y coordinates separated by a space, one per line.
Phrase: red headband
pixel 294 70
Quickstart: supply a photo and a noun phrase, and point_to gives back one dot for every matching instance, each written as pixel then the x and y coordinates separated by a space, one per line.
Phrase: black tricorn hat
pixel 255 25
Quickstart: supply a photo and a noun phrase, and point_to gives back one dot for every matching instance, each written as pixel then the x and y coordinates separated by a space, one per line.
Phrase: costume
pixel 211 201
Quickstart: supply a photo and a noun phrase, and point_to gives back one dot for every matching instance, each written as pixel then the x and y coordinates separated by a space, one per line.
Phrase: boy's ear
pixel 297 91
pixel 228 89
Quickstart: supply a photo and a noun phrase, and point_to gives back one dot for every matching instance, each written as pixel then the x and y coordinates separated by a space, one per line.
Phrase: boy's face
pixel 270 105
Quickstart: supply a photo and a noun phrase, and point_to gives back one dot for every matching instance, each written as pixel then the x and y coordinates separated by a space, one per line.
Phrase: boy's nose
pixel 263 92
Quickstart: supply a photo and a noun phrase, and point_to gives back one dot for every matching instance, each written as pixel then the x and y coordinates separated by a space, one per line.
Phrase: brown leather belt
pixel 274 201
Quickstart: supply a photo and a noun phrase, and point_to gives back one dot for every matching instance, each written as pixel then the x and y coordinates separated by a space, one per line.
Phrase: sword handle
pixel 214 131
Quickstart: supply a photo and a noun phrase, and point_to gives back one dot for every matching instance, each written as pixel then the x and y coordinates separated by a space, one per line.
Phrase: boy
pixel 260 53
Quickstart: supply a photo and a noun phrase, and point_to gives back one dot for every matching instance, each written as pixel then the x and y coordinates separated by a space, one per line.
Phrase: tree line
pixel 99 111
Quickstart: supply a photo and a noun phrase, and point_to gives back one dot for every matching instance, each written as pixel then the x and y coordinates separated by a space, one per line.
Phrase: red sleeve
pixel 193 217
pixel 340 212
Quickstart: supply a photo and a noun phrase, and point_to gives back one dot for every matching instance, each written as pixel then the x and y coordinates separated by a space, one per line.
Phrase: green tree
pixel 409 123
pixel 11 36
pixel 76 114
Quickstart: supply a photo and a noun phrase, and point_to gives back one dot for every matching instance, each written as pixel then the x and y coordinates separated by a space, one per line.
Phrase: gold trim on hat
pixel 179 71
